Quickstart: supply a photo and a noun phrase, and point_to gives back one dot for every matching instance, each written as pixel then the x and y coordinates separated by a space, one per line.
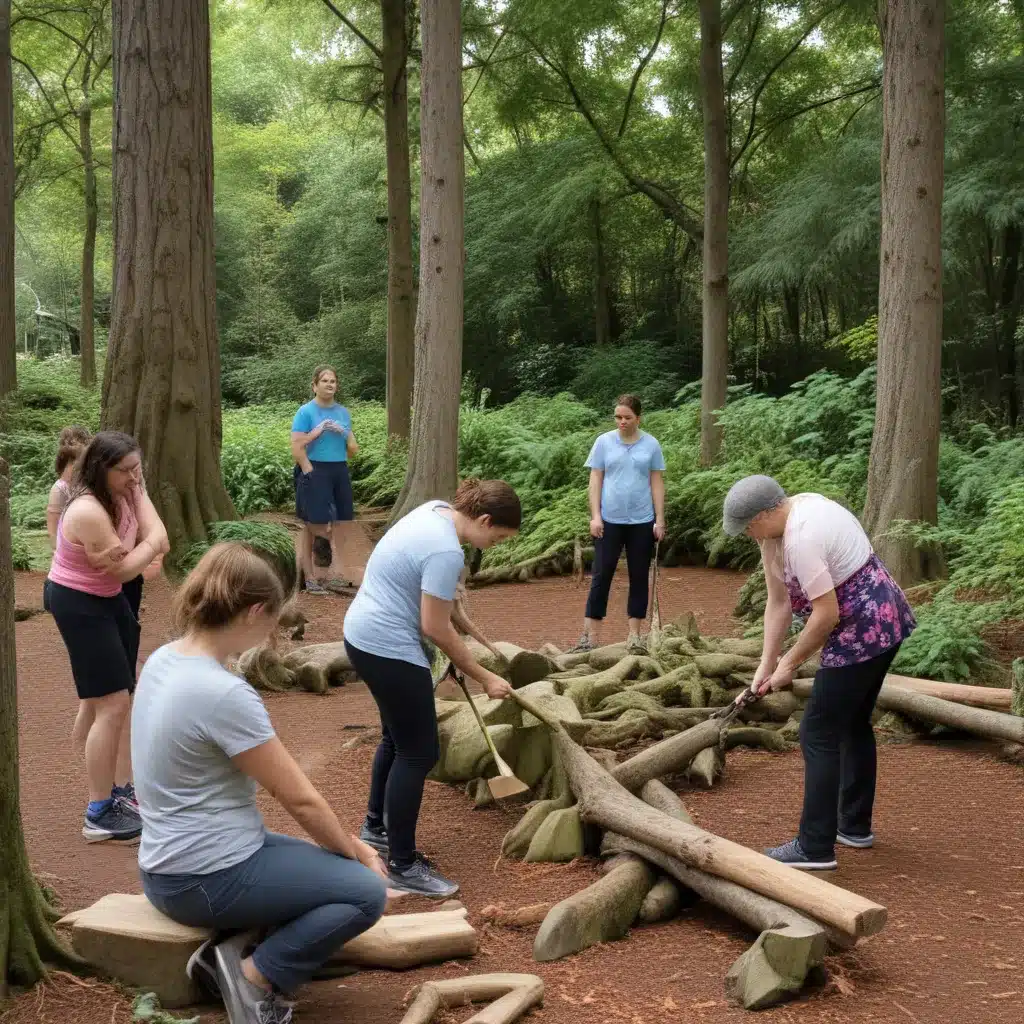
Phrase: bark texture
pixel 434 446
pixel 8 332
pixel 162 377
pixel 27 942
pixel 401 281
pixel 715 310
pixel 87 325
pixel 903 469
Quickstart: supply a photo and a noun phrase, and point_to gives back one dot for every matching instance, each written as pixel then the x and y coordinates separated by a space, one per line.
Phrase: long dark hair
pixel 105 451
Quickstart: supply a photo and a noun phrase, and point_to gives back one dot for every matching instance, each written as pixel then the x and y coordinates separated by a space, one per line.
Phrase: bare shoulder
pixel 85 513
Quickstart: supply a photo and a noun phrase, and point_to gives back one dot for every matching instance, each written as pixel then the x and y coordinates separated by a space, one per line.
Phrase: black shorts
pixel 325 495
pixel 101 635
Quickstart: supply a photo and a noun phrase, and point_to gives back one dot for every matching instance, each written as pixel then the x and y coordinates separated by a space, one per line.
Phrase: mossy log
pixel 263 669
pixel 558 839
pixel 766 739
pixel 516 664
pixel 790 946
pixel 320 666
pixel 554 562
pixel 606 656
pixel 602 912
pixel 1017 689
pixel 603 802
pixel 707 766
pixel 662 903
pixel 669 756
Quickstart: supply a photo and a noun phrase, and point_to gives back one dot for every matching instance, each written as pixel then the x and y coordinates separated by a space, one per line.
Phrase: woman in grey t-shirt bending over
pixel 201 740
pixel 407 593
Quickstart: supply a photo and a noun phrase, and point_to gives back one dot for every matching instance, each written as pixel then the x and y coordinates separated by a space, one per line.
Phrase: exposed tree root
pixel 512 995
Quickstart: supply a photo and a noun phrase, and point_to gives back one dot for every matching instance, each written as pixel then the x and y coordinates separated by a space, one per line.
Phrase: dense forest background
pixel 584 140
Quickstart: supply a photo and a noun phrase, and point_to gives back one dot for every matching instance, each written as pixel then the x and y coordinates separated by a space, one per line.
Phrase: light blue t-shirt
pixel 189 718
pixel 626 496
pixel 330 446
pixel 420 554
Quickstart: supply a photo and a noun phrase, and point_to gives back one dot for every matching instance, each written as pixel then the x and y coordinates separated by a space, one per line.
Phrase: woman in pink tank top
pixel 71 442
pixel 107 536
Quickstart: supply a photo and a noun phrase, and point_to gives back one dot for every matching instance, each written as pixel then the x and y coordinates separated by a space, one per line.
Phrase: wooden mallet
pixel 505 784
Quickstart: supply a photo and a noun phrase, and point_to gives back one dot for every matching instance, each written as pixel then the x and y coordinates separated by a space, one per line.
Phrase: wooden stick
pixel 995 698
pixel 603 801
pixel 512 995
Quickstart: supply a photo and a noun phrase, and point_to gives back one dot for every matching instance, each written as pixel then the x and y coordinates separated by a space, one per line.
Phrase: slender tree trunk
pixel 162 376
pixel 8 331
pixel 27 941
pixel 434 449
pixel 1009 313
pixel 86 335
pixel 401 281
pixel 715 333
pixel 602 296
pixel 903 468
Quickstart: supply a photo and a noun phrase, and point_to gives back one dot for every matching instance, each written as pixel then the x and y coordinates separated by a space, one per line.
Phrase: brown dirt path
pixel 949 864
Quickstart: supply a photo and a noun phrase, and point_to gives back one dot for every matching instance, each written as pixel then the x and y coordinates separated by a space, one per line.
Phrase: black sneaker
pixel 422 879
pixel 116 822
pixel 375 836
pixel 245 1002
pixel 203 971
pixel 792 854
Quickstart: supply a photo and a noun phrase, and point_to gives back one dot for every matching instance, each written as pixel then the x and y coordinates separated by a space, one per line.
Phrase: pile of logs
pixel 593 734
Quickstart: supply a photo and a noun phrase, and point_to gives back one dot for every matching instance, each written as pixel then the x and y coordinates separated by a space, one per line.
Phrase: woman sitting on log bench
pixel 407 593
pixel 820 566
pixel 201 740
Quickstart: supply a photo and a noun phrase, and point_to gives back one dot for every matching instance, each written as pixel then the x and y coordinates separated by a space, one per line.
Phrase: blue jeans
pixel 315 901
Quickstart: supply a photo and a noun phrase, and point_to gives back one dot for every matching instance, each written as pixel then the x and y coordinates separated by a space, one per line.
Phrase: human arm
pixel 436 625
pixel 351 445
pixel 594 500
pixel 658 494
pixel 151 526
pixel 300 440
pixel 778 612
pixel 54 507
pixel 276 771
pixel 823 619
pixel 87 523
pixel 464 624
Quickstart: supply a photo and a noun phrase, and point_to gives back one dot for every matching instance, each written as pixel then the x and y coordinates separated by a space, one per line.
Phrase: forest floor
pixel 949 863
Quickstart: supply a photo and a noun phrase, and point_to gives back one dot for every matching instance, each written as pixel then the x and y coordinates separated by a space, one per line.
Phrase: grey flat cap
pixel 748 498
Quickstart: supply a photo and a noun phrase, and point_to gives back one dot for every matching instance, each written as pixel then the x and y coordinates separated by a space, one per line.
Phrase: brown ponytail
pixel 71 442
pixel 494 498
pixel 630 402
pixel 228 580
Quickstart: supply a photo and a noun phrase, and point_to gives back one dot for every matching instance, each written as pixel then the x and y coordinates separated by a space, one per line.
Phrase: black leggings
pixel 408 748
pixel 638 540
pixel 838 745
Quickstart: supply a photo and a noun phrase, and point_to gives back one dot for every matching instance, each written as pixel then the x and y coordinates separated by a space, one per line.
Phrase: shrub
pixel 21 554
pixel 29 510
pixel 272 540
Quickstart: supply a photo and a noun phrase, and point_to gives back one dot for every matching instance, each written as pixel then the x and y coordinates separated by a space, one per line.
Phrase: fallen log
pixel 600 913
pixel 401 941
pixel 790 946
pixel 521 917
pixel 707 766
pixel 662 903
pixel 995 698
pixel 509 996
pixel 991 725
pixel 668 756
pixel 604 802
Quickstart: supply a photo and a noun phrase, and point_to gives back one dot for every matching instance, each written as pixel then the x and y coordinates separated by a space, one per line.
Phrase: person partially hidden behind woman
pixel 71 442
pixel 820 566
pixel 627 510
pixel 201 741
pixel 407 593
pixel 108 534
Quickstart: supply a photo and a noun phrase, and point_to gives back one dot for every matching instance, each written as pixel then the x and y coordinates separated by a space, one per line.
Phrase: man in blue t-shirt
pixel 322 441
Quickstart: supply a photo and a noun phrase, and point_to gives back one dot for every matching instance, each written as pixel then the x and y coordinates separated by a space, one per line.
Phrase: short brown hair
pixel 630 402
pixel 494 498
pixel 71 442
pixel 320 371
pixel 228 580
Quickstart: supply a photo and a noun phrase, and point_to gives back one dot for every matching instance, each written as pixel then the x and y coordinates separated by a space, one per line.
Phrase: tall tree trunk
pixel 86 332
pixel 401 282
pixel 434 449
pixel 162 376
pixel 903 468
pixel 1009 313
pixel 715 320
pixel 8 331
pixel 602 296
pixel 27 941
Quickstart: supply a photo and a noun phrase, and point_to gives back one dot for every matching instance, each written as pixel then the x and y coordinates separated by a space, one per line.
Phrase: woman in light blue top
pixel 627 509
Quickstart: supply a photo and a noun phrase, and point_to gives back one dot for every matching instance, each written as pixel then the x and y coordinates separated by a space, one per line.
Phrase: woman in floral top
pixel 820 566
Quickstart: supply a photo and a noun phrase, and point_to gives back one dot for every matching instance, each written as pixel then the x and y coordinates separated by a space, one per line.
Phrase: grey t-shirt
pixel 420 554
pixel 190 717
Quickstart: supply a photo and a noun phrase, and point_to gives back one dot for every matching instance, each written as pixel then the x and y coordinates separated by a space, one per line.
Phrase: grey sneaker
pixel 116 822
pixel 856 842
pixel 126 797
pixel 422 879
pixel 792 854
pixel 375 836
pixel 203 971
pixel 340 586
pixel 245 1002
pixel 636 644
pixel 315 587
pixel 583 645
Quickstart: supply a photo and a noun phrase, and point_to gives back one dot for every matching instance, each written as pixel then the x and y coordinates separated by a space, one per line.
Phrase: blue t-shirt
pixel 330 446
pixel 626 497
pixel 420 554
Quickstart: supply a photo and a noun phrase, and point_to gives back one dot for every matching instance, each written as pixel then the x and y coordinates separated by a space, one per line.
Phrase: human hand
pixel 307 469
pixel 659 530
pixel 780 679
pixel 597 527
pixel 115 553
pixel 333 426
pixel 370 858
pixel 495 687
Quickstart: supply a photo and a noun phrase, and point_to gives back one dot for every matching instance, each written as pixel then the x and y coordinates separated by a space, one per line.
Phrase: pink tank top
pixel 71 567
